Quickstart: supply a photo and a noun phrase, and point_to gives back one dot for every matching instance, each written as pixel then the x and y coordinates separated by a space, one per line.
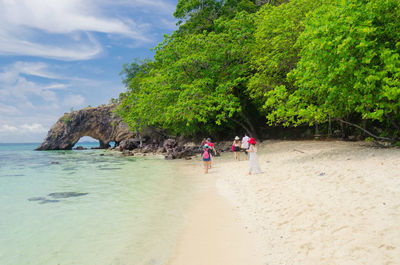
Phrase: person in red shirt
pixel 211 146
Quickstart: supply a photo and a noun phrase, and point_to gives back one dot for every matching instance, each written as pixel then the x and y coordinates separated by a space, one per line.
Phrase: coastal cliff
pixel 97 122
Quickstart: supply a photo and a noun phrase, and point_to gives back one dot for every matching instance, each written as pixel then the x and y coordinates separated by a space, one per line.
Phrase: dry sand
pixel 319 202
pixel 316 203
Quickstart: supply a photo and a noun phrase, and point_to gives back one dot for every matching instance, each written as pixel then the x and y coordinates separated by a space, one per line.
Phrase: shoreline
pixel 317 202
pixel 213 232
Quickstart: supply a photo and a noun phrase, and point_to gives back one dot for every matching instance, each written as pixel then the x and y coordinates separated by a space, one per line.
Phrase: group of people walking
pixel 247 145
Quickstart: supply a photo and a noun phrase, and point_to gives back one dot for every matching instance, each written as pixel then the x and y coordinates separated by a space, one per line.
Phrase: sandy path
pixel 214 234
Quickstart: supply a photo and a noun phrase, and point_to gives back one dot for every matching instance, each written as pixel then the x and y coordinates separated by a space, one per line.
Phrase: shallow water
pixel 78 207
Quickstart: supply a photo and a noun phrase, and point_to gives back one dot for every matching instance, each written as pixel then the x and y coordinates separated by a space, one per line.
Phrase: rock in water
pixel 62 195
pixel 48 201
pixel 36 199
pixel 109 168
pixel 80 148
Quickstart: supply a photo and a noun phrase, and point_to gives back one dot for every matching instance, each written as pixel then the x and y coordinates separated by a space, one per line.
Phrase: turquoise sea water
pixel 88 207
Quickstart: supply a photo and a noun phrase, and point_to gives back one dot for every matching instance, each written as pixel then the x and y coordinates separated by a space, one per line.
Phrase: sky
pixel 58 55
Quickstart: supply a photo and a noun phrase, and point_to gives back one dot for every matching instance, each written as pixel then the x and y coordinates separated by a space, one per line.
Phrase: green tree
pixel 197 79
pixel 274 54
pixel 349 65
pixel 129 71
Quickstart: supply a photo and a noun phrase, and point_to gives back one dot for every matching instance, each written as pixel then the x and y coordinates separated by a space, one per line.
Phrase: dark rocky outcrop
pixel 80 148
pixel 170 148
pixel 129 144
pixel 99 123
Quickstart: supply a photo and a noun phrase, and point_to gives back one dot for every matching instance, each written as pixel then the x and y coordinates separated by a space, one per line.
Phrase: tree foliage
pixel 274 54
pixel 196 79
pixel 293 62
pixel 348 65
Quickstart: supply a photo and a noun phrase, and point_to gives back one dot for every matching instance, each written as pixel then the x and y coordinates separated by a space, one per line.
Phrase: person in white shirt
pixel 245 145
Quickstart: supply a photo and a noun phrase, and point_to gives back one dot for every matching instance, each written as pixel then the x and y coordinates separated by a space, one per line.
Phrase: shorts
pixel 236 149
pixel 206 159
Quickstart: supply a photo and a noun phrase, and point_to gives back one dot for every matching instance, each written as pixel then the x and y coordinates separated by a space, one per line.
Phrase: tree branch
pixel 367 132
pixel 241 125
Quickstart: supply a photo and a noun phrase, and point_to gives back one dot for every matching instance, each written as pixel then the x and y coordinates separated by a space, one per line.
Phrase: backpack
pixel 206 155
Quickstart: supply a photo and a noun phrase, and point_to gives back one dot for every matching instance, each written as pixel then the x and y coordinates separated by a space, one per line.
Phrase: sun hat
pixel 205 146
pixel 252 141
pixel 237 138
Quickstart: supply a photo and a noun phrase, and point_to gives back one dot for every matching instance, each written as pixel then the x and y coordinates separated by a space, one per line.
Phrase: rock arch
pixel 97 122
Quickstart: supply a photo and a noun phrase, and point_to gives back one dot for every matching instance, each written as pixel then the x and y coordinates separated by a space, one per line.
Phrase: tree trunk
pixel 249 129
pixel 343 129
pixel 364 126
pixel 316 129
pixel 253 131
pixel 329 127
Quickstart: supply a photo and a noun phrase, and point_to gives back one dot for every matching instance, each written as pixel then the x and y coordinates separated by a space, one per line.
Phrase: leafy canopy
pixel 349 64
pixel 194 79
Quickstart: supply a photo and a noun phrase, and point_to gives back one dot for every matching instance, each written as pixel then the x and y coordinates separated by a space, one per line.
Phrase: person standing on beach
pixel 236 148
pixel 206 157
pixel 211 147
pixel 245 145
pixel 254 165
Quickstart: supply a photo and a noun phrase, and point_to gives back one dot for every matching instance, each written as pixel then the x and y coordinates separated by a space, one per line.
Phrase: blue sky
pixel 62 54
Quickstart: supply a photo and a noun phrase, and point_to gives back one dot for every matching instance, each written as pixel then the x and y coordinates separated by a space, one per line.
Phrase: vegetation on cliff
pixel 245 64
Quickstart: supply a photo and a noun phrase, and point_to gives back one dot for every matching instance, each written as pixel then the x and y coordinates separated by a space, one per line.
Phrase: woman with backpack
pixel 206 158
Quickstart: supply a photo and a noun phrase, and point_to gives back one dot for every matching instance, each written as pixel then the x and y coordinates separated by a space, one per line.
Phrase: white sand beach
pixel 317 202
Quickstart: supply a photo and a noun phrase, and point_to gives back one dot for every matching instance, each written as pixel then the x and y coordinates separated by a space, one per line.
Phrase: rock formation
pixel 100 123
pixel 97 122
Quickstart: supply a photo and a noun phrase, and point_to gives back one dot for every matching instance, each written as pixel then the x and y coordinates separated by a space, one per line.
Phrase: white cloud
pixel 17 92
pixel 63 16
pixel 73 101
pixel 57 86
pixel 8 129
pixel 20 89
pixel 39 69
pixel 22 20
pixel 33 128
pixel 7 109
pixel 14 45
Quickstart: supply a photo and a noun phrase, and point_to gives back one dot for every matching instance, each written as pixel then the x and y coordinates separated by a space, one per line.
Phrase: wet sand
pixel 214 233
